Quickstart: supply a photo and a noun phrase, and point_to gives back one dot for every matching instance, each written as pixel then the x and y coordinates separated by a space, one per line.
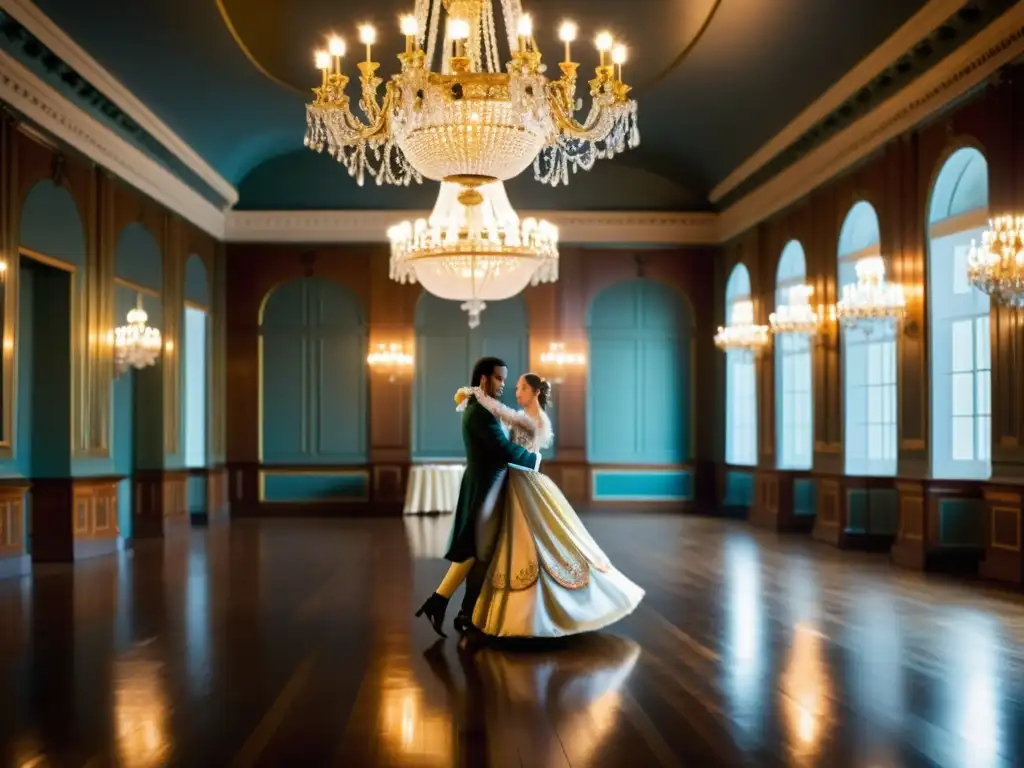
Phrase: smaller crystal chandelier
pixel 474 248
pixel 136 345
pixel 742 334
pixel 798 316
pixel 996 267
pixel 391 359
pixel 558 362
pixel 871 300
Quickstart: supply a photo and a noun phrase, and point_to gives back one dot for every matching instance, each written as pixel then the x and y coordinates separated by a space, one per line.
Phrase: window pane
pixel 963 345
pixel 983 382
pixel 963 439
pixel 984 438
pixel 982 343
pixel 960 282
pixel 963 394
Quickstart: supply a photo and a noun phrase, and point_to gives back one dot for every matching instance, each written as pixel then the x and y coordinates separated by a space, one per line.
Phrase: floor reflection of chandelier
pixel 474 117
pixel 742 334
pixel 136 345
pixel 871 300
pixel 474 248
pixel 996 267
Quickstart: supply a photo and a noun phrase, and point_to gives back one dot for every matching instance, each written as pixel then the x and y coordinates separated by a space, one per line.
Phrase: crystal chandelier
pixel 742 334
pixel 996 267
pixel 559 362
pixel 470 118
pixel 391 359
pixel 473 248
pixel 797 316
pixel 136 345
pixel 871 299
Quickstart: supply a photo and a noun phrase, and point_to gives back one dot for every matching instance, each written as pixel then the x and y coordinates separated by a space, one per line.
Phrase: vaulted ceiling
pixel 715 79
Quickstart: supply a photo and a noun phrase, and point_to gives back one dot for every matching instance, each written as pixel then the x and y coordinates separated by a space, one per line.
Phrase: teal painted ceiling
pixel 758 64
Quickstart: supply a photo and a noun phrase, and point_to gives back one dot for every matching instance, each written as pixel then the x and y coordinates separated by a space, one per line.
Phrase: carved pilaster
pixel 173 301
pixel 10 215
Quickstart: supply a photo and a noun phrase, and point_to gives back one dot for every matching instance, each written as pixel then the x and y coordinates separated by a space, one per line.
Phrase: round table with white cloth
pixel 433 489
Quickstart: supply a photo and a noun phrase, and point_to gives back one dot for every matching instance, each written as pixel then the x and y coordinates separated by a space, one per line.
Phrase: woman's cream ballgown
pixel 548 577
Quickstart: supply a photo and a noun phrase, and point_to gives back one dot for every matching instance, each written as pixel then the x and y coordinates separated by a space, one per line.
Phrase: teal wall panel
pixel 313 369
pixel 642 485
pixel 197 285
pixel 872 511
pixel 446 349
pixel 739 488
pixel 639 392
pixel 138 259
pixel 284 487
pixel 196 493
pixel 50 452
pixel 805 497
pixel 963 523
pixel 51 225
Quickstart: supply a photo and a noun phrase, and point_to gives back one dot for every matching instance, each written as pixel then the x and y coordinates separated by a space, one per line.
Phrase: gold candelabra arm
pixel 380 117
pixel 598 123
pixel 604 76
pixel 369 83
pixel 564 89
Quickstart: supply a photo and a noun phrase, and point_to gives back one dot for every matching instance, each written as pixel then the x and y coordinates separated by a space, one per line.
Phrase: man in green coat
pixel 477 512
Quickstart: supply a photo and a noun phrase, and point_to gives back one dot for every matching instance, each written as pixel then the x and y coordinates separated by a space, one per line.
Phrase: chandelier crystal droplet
pixel 470 118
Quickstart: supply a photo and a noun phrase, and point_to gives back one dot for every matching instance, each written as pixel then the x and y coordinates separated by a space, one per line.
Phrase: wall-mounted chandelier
pixel 996 267
pixel 473 117
pixel 136 345
pixel 742 333
pixel 871 300
pixel 391 360
pixel 798 315
pixel 557 362
pixel 473 248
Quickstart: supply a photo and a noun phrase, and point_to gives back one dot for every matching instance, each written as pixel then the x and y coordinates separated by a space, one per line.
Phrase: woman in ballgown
pixel 548 577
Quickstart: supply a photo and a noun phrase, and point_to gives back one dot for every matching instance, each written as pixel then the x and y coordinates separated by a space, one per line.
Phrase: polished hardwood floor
pixel 292 643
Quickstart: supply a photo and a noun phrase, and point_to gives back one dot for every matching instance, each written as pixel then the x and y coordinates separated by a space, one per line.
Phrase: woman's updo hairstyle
pixel 542 388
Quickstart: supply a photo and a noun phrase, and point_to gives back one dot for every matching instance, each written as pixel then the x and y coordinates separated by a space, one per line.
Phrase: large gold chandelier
pixel 742 334
pixel 474 248
pixel 997 266
pixel 470 119
pixel 872 300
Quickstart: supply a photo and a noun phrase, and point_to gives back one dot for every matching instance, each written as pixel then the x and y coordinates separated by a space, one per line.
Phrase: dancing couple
pixel 531 569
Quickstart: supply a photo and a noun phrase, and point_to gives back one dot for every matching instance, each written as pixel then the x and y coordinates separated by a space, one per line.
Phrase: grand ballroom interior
pixel 768 254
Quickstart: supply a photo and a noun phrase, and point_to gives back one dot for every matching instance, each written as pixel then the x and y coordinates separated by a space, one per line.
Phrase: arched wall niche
pixel 446 349
pixel 313 377
pixel 640 390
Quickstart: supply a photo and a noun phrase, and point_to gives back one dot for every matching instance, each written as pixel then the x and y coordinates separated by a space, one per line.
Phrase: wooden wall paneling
pixel 10 216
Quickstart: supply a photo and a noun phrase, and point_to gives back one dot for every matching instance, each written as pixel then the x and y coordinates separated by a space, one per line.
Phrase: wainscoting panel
pixel 314 486
pixel 643 485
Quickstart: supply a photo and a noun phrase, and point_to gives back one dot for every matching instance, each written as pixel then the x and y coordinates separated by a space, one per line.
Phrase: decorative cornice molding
pixel 52 112
pixel 371 226
pixel 903 39
pixel 1000 43
pixel 53 37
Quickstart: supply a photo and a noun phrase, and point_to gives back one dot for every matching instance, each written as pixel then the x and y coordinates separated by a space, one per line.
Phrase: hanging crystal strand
pixel 422 13
pixel 511 25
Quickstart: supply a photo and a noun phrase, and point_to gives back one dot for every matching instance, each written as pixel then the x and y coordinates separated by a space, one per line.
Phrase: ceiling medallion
pixel 996 267
pixel 470 118
pixel 136 345
pixel 871 300
pixel 474 248
pixel 742 334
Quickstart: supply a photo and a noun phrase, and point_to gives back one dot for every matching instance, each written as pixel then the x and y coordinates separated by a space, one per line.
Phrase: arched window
pixel 195 354
pixel 793 391
pixel 958 318
pixel 740 377
pixel 869 360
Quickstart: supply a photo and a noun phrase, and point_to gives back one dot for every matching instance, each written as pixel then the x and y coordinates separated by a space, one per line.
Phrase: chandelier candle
pixel 474 117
